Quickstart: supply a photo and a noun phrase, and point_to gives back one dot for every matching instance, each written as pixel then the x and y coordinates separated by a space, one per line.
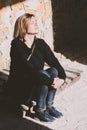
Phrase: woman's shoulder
pixel 39 39
pixel 16 42
pixel 41 42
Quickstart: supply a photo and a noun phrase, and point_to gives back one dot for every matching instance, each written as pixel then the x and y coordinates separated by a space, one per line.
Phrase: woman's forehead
pixel 33 18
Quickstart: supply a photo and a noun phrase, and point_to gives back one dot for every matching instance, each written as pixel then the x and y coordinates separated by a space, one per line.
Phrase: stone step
pixel 73 75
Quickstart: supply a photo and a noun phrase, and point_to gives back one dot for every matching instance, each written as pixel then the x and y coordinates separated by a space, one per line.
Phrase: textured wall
pixel 9 12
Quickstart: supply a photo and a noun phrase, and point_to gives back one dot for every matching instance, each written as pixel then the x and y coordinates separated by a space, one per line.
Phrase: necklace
pixel 31 53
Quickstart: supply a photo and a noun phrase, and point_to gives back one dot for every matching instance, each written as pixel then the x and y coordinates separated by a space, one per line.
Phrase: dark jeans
pixel 46 93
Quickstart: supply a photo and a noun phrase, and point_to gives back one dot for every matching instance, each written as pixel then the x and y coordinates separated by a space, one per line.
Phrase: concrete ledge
pixel 72 76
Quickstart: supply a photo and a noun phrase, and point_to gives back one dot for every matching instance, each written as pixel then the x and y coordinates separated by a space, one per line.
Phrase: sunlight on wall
pixel 8 15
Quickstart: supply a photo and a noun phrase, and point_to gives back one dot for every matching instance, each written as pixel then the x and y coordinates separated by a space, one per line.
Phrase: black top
pixel 24 72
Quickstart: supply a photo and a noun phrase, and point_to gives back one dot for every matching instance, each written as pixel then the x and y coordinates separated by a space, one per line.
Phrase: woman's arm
pixel 52 61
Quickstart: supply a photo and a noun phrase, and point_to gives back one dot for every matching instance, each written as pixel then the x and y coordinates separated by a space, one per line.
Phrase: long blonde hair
pixel 21 25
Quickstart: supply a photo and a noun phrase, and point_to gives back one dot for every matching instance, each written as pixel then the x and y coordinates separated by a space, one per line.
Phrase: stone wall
pixel 10 10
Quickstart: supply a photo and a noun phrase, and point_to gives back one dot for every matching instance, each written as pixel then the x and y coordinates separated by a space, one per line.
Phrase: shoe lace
pixel 46 112
pixel 53 109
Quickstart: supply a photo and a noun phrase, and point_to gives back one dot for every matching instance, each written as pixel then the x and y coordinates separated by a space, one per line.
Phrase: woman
pixel 28 80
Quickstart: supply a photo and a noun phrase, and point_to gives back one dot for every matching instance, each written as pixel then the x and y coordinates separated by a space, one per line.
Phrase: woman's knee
pixel 53 72
pixel 45 72
pixel 44 87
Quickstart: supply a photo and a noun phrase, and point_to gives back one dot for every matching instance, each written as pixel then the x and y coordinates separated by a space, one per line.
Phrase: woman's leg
pixel 42 94
pixel 41 112
pixel 51 95
pixel 52 91
pixel 46 94
pixel 46 98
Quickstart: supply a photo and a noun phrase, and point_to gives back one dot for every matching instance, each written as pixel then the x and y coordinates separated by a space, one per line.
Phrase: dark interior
pixel 70 28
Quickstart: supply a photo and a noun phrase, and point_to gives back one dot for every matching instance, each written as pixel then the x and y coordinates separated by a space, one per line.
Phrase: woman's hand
pixel 57 82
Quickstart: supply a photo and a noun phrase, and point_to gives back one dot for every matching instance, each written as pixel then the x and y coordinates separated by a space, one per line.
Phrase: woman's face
pixel 32 26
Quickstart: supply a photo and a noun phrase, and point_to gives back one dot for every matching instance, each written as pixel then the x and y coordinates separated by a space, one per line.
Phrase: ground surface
pixel 72 102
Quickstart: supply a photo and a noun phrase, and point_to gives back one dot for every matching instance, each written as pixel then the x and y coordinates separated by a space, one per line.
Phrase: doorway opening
pixel 70 28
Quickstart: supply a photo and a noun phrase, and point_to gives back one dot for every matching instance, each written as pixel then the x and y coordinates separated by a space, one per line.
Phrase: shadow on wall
pixel 8 3
pixel 70 28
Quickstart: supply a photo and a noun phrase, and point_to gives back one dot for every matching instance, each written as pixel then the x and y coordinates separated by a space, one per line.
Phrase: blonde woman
pixel 28 80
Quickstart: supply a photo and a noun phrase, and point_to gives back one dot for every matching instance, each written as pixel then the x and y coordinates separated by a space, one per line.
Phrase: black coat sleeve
pixel 52 61
pixel 19 55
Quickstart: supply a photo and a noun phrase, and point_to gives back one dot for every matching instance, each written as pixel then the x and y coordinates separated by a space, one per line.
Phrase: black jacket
pixel 25 74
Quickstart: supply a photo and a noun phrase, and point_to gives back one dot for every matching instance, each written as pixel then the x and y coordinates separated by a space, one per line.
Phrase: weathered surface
pixel 72 102
pixel 10 11
pixel 70 28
